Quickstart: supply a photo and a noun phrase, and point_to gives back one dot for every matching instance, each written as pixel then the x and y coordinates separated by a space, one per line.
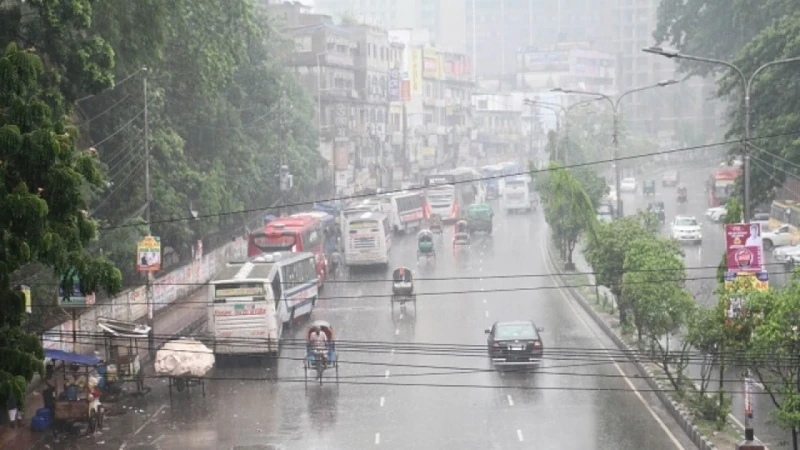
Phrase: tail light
pixel 496 347
pixel 537 345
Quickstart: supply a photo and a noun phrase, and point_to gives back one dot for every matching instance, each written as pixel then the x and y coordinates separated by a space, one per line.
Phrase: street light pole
pixel 319 119
pixel 747 84
pixel 566 112
pixel 615 137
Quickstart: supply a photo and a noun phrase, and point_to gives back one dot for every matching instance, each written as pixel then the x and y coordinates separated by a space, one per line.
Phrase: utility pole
pixel 148 200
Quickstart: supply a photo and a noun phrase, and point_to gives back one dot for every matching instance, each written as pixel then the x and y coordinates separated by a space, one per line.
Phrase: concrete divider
pixel 678 412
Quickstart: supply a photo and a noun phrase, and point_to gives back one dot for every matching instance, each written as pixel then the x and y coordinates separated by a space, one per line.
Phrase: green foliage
pixel 44 216
pixel 773 348
pixel 608 247
pixel 568 209
pixel 653 287
pixel 749 35
pixel 593 184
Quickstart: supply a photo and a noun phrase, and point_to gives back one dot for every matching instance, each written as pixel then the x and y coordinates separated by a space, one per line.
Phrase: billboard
pixel 744 246
pixel 432 65
pixel 148 254
pixel 415 71
pixel 402 37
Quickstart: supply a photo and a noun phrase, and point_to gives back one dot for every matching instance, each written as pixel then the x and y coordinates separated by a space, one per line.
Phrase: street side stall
pixel 185 362
pixel 77 396
pixel 122 361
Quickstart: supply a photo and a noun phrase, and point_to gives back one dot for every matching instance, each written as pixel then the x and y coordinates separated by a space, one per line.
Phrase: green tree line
pixel 222 112
pixel 747 34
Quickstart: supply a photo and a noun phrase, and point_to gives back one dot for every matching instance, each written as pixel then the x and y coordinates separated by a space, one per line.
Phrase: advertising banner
pixel 430 65
pixel 747 280
pixel 394 85
pixel 415 71
pixel 744 247
pixel 148 254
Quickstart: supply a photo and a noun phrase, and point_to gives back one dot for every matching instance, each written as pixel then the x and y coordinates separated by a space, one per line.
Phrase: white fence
pixel 131 305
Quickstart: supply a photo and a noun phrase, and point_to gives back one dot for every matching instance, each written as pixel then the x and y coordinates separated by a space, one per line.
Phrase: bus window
pixel 277 289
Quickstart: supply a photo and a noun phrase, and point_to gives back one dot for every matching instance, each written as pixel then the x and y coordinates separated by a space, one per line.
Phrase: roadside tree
pixel 607 247
pixel 44 216
pixel 654 293
pixel 568 210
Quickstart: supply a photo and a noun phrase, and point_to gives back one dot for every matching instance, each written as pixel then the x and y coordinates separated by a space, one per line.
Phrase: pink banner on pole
pixel 744 247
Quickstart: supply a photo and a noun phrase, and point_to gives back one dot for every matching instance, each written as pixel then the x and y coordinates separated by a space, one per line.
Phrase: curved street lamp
pixel 747 84
pixel 615 109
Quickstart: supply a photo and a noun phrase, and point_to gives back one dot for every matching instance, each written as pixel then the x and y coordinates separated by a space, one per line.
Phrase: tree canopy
pixel 223 113
pixel 568 209
pixel 749 35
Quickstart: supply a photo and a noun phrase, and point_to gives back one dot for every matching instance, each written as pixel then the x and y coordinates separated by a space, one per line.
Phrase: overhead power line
pixel 361 196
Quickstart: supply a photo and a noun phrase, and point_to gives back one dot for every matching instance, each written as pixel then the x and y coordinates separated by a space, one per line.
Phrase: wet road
pixel 701 262
pixel 394 395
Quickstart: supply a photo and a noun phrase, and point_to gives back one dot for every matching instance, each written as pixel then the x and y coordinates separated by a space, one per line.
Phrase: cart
pixel 318 360
pixel 184 362
pixel 403 288
pixel 123 364
pixel 78 400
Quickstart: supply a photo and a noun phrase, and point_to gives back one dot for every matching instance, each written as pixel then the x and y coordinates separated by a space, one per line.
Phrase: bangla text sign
pixel 745 252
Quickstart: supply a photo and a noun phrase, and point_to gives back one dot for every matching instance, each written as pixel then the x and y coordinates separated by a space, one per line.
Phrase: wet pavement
pixel 701 263
pixel 419 377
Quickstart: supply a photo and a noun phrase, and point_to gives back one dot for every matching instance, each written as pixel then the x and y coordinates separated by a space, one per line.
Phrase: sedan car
pixel 515 344
pixel 628 185
pixel 670 179
pixel 717 213
pixel 687 229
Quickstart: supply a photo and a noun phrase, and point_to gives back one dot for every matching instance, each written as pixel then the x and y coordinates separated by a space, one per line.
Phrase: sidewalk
pixel 184 316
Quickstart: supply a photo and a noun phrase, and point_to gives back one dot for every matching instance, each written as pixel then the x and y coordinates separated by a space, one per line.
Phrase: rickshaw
pixel 479 217
pixel 461 236
pixel 403 287
pixel 649 187
pixel 77 397
pixel 425 245
pixel 318 359
pixel 436 224
pixel 683 196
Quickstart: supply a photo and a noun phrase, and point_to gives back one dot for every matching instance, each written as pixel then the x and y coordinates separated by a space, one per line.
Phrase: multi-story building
pixel 495 30
pixel 566 66
pixel 385 13
pixel 499 123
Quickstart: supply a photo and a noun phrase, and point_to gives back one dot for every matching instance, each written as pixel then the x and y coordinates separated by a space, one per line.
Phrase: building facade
pixel 568 67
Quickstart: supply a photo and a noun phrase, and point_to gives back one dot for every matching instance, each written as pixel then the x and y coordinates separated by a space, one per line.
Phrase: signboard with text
pixel 744 246
pixel 148 254
pixel 394 85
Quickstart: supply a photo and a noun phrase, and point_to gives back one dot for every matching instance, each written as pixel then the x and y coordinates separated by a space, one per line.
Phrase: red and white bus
pixel 720 186
pixel 294 234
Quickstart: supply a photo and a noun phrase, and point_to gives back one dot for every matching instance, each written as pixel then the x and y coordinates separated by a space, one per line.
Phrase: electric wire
pixel 361 196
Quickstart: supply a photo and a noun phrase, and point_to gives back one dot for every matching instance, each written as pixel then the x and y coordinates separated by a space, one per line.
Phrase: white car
pixel 784 254
pixel 687 229
pixel 717 213
pixel 628 185
pixel 779 237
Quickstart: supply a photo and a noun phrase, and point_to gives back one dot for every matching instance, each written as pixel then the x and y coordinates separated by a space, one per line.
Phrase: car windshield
pixel 519 331
pixel 685 222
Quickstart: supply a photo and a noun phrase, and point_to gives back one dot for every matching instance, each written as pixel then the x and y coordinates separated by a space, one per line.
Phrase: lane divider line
pixel 387 374
pixel 510 400
pixel 383 400
pixel 487 314
pixel 377 438
pixel 396 331
pixel 519 436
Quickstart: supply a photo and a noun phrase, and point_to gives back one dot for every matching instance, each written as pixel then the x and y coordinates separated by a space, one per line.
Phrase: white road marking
pixel 487 314
pixel 396 331
pixel 383 400
pixel 377 438
pixel 484 301
pixel 387 374
pixel 146 423
pixel 392 351
pixel 510 400
pixel 519 435
pixel 401 316
pixel 569 301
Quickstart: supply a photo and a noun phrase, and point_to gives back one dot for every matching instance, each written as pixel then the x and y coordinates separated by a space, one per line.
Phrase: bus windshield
pixel 271 243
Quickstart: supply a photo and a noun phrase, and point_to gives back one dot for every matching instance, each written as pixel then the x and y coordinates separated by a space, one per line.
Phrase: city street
pixel 395 395
pixel 701 263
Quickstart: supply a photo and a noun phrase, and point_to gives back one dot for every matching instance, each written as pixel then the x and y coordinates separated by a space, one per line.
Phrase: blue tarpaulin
pixel 86 360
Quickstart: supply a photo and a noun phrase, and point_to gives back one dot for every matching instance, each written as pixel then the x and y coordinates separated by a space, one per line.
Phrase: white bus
pixel 517 195
pixel 449 192
pixel 250 301
pixel 405 210
pixel 368 239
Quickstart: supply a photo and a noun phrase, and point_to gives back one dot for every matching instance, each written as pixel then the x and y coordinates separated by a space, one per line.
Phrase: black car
pixel 516 343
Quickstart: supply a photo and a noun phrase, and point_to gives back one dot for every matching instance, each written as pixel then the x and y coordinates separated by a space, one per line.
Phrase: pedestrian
pixel 13 408
pixel 336 260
